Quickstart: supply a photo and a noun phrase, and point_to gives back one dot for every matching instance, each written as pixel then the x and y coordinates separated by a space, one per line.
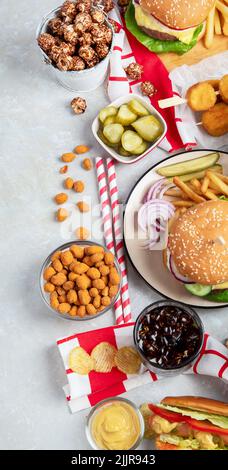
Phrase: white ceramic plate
pixel 132 158
pixel 149 264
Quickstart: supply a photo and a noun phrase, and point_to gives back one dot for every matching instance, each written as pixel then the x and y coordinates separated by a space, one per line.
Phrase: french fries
pixel 210 195
pixel 209 34
pixel 187 190
pixel 182 203
pixel 205 184
pixel 223 187
pixel 216 22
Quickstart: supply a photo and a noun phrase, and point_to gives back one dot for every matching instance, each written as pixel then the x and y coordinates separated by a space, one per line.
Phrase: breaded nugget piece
pixel 201 96
pixel 215 120
pixel 223 88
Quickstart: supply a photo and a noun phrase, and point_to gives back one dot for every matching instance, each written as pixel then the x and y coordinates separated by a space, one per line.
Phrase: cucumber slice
pixel 125 116
pixel 198 289
pixel 141 149
pixel 109 120
pixel 199 174
pixel 113 133
pixel 138 108
pixel 105 112
pixel 189 166
pixel 148 127
pixel 130 140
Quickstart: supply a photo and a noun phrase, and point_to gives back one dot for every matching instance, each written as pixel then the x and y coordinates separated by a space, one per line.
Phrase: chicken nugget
pixel 201 96
pixel 223 88
pixel 215 120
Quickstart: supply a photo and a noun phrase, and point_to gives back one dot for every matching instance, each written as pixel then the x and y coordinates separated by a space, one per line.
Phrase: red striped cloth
pixel 84 391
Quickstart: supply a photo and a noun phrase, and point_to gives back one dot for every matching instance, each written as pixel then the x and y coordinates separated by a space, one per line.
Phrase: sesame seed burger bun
pixel 178 14
pixel 198 243
pixel 198 404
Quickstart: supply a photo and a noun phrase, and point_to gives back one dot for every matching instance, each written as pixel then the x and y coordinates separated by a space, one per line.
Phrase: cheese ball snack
pixel 215 120
pixel 201 96
pixel 80 280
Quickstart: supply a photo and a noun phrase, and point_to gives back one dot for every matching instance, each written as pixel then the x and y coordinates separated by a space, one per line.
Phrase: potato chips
pixel 80 361
pixel 127 360
pixel 103 356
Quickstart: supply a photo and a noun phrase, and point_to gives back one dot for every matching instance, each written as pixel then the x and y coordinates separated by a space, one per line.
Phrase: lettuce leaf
pixel 156 45
pixel 180 441
pixel 220 421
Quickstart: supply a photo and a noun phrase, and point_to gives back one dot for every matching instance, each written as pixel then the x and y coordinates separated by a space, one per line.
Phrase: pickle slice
pixel 113 133
pixel 199 174
pixel 189 166
pixel 109 120
pixel 138 108
pixel 103 138
pixel 130 141
pixel 105 112
pixel 123 152
pixel 148 127
pixel 125 116
pixel 141 149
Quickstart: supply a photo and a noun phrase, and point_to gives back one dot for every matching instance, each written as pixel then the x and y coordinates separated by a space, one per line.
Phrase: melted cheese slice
pixel 146 20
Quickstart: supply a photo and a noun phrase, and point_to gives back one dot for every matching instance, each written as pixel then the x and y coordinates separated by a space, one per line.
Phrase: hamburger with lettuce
pixel 168 25
pixel 197 250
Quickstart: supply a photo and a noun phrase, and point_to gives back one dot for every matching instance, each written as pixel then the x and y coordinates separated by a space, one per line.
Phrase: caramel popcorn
pixel 147 88
pixel 86 53
pixel 64 62
pixel 101 33
pixel 85 40
pixel 94 61
pixel 70 35
pixel 55 53
pixel 78 63
pixel 61 214
pixel 56 26
pixel 83 22
pixel 82 233
pixel 46 41
pixel 102 50
pixel 114 25
pixel 68 10
pixel 98 16
pixel 84 6
pixel 134 71
pixel 78 105
pixel 67 49
pixel 108 5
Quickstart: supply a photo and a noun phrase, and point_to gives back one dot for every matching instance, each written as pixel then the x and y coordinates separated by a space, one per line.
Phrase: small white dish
pixel 133 158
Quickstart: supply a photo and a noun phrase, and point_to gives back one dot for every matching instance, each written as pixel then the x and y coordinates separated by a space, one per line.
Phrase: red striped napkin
pixel 84 391
pixel 127 49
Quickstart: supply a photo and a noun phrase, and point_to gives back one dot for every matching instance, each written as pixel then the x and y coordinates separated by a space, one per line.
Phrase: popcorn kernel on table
pixel 83 206
pixel 134 71
pixel 147 88
pixel 78 105
pixel 62 214
pixel 79 186
pixel 68 157
pixel 87 164
pixel 60 198
pixel 82 233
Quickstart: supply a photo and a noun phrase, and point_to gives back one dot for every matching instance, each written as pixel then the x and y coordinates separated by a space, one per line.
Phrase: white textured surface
pixel 36 127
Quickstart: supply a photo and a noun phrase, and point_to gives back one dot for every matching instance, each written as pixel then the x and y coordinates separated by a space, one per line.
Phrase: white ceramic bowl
pixel 132 158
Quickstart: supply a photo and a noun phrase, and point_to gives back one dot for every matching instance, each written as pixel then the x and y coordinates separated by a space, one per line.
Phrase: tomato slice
pixel 169 415
pixel 206 427
pixel 173 417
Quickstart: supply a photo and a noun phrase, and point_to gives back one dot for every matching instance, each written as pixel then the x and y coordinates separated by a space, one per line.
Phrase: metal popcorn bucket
pixel 82 80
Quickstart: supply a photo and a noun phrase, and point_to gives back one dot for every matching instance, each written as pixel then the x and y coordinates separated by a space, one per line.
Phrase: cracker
pixel 127 360
pixel 80 361
pixel 103 356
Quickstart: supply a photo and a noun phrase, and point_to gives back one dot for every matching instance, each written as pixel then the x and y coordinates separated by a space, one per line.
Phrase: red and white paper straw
pixel 107 222
pixel 116 217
